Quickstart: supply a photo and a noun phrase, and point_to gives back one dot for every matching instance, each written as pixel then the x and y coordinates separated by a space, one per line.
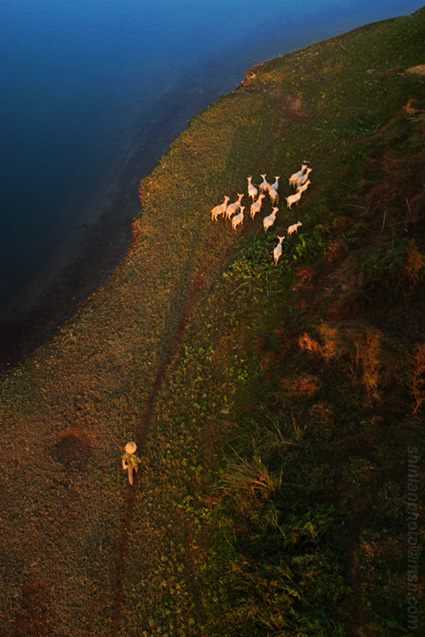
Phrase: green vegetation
pixel 276 408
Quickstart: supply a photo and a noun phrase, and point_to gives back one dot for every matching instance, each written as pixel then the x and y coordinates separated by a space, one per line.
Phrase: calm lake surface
pixel 92 93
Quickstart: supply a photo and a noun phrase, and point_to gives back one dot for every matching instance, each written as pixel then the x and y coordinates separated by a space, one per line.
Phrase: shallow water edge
pixel 104 243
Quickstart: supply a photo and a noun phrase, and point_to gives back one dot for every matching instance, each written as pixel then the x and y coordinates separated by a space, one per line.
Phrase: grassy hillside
pixel 278 410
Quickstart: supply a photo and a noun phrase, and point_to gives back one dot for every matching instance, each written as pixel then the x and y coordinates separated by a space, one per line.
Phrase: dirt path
pixel 143 432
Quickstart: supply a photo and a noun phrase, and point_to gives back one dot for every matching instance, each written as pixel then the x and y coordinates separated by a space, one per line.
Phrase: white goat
pixel 293 179
pixel 269 221
pixel 304 187
pixel 293 228
pixel 264 186
pixel 304 177
pixel 234 207
pixel 256 206
pixel 238 219
pixel 219 210
pixel 252 190
pixel 293 198
pixel 274 197
pixel 277 252
pixel 276 183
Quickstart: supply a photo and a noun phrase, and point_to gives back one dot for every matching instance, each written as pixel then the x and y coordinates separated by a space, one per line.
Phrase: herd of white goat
pixel 235 212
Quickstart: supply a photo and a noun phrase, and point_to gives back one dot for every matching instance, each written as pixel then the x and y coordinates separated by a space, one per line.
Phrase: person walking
pixel 130 461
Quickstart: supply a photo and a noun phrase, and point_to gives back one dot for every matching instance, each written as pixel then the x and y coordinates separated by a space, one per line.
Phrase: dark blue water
pixel 81 84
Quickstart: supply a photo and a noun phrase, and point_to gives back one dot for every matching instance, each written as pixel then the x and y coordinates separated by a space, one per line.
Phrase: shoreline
pixel 31 328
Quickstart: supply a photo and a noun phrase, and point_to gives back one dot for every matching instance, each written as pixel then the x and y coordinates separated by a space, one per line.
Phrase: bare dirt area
pixel 419 69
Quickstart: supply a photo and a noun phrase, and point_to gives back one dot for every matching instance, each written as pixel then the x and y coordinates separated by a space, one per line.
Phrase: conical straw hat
pixel 130 447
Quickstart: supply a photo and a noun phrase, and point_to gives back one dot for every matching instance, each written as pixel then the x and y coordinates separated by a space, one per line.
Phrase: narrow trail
pixel 143 429
pixel 142 436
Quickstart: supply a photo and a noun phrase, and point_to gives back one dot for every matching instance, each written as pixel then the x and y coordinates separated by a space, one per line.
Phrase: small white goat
pixel 252 190
pixel 276 183
pixel 293 228
pixel 293 179
pixel 234 207
pixel 277 252
pixel 264 186
pixel 219 210
pixel 274 197
pixel 269 221
pixel 238 219
pixel 304 187
pixel 256 206
pixel 293 199
pixel 304 177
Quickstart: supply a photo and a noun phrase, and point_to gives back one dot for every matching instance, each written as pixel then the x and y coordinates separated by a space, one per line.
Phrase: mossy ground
pixel 274 407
